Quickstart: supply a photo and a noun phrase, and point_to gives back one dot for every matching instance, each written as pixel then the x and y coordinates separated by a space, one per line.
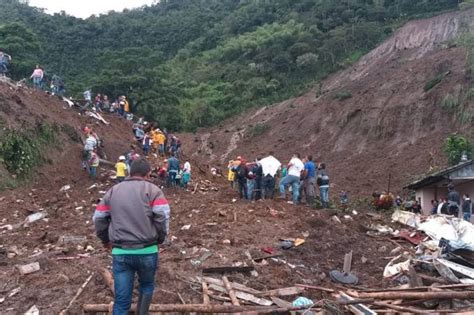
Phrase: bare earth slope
pixel 389 125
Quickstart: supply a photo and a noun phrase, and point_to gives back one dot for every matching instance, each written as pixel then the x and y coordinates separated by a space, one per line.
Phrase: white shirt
pixel 187 167
pixel 296 166
pixel 270 165
pixel 91 143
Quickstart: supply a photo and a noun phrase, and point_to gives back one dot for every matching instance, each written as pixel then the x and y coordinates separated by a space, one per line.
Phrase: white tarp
pixel 270 165
pixel 458 232
pixel 407 218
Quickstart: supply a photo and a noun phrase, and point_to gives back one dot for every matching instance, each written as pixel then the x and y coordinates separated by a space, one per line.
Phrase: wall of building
pixel 430 193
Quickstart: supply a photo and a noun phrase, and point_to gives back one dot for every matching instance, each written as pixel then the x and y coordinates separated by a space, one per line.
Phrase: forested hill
pixel 192 63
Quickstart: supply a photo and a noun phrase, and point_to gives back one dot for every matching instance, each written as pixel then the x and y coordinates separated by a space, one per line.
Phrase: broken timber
pixel 199 308
pixel 228 269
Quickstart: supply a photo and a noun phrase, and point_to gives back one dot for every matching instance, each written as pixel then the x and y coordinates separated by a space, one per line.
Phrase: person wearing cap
pixel 121 169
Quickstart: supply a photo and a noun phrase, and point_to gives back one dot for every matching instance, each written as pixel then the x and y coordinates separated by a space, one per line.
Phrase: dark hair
pixel 322 166
pixel 467 195
pixel 310 157
pixel 298 155
pixel 140 167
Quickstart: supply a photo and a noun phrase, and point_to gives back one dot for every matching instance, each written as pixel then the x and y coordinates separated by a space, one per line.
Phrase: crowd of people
pixel 150 142
pixel 257 179
pixel 101 103
pixel 452 204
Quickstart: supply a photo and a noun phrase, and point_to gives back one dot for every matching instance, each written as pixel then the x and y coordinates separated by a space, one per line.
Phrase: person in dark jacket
pixel 258 180
pixel 323 183
pixel 454 201
pixel 241 174
pixel 173 170
pixel 132 219
pixel 466 207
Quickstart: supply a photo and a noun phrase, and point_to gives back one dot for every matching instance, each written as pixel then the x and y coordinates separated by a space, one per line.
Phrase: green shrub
pixel 258 129
pixel 433 82
pixel 21 151
pixel 342 95
pixel 455 146
pixel 450 102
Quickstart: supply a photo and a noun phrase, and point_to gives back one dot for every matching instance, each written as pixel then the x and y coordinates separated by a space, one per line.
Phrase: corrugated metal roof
pixel 437 176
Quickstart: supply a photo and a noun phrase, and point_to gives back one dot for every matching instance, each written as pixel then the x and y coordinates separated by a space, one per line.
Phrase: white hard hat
pixel 122 158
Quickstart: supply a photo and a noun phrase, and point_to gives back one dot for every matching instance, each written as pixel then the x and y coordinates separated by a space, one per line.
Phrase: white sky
pixel 85 8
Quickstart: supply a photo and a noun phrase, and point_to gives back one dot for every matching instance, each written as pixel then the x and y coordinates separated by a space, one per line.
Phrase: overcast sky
pixel 85 8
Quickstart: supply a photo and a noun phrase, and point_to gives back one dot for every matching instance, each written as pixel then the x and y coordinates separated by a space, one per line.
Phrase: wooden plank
pixel 358 309
pixel 230 291
pixel 315 287
pixel 235 285
pixel 243 296
pixel 205 294
pixel 347 262
pixel 415 281
pixel 284 291
pixel 228 269
pixel 281 303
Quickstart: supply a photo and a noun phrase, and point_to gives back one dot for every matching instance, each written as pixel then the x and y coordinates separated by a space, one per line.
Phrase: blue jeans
pixel 92 172
pixel 467 216
pixel 324 191
pixel 172 178
pixel 124 269
pixel 37 82
pixel 161 149
pixel 250 187
pixel 294 181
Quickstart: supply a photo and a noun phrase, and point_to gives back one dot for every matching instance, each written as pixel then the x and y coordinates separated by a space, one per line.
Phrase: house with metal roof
pixel 435 185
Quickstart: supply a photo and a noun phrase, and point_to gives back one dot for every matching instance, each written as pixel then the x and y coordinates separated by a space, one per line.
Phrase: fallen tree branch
pixel 410 310
pixel 199 308
pixel 315 288
pixel 230 291
pixel 108 279
pixel 83 286
pixel 395 295
pixel 449 286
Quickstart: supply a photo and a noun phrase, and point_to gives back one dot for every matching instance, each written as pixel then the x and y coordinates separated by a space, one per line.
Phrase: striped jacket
pixel 132 214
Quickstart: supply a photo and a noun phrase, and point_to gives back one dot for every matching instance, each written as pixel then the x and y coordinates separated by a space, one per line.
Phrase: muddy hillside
pixel 384 115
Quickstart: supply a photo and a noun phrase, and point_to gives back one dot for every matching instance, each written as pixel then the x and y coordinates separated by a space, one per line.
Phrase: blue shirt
pixel 310 168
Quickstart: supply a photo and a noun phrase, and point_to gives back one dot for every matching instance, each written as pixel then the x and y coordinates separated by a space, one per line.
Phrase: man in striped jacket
pixel 132 219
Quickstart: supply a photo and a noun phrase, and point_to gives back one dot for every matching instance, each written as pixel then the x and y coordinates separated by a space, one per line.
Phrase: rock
pixel 226 242
pixel 382 249
pixel 395 251
pixel 89 248
pixel 30 268
pixel 363 259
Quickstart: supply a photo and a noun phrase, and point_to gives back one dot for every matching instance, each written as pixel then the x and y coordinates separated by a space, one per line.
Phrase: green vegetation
pixel 258 130
pixel 342 95
pixel 455 146
pixel 21 151
pixel 188 63
pixel 434 82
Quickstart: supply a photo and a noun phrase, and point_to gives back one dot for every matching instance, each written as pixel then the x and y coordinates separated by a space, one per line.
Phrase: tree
pixel 23 45
pixel 454 148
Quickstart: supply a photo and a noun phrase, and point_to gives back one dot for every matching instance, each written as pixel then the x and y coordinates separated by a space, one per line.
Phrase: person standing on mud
pixel 241 173
pixel 323 183
pixel 295 167
pixel 309 182
pixel 133 219
pixel 37 77
pixel 5 60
